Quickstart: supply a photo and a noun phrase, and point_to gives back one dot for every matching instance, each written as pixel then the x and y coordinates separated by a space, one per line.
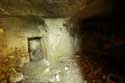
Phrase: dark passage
pixel 103 43
pixel 35 49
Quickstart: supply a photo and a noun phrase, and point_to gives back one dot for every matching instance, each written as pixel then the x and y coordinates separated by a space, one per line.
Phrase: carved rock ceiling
pixel 47 8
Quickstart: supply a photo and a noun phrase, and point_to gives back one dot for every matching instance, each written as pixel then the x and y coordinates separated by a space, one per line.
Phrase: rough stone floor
pixel 65 70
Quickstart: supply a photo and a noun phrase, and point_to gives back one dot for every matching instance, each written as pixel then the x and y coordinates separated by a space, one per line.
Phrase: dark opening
pixel 35 49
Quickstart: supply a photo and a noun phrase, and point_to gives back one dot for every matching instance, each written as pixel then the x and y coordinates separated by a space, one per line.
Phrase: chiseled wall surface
pixel 14 33
pixel 59 42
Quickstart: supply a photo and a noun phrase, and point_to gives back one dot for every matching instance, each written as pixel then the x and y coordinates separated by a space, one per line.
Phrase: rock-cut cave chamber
pixel 61 41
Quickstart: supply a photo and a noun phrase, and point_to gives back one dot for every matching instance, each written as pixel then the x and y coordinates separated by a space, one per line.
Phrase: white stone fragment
pixel 57 77
pixel 46 62
pixel 66 68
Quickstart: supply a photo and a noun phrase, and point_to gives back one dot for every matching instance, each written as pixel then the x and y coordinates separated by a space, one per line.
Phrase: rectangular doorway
pixel 35 49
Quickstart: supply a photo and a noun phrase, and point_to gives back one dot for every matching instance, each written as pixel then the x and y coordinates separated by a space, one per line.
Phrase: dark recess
pixel 108 33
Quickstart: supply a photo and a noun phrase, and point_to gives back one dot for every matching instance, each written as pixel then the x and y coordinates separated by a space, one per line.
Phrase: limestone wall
pixel 59 42
pixel 14 34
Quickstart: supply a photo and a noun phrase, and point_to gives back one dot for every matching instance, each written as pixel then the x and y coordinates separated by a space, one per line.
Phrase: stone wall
pixel 14 34
pixel 15 31
pixel 59 41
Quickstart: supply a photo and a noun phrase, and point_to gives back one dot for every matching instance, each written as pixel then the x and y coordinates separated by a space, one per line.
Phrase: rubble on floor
pixel 74 69
pixel 66 70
